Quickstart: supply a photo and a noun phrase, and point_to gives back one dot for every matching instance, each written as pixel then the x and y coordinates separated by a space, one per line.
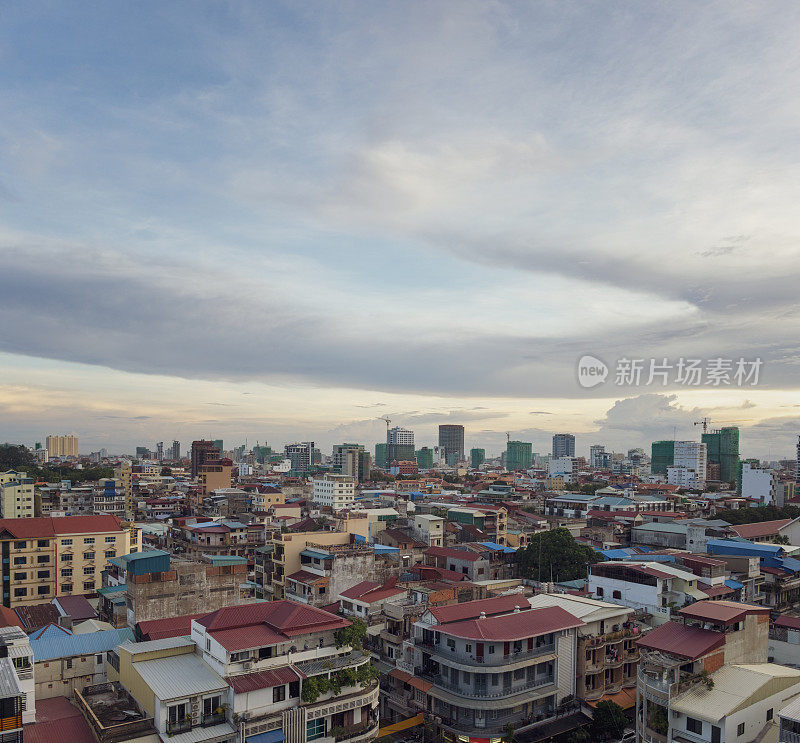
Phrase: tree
pixel 756 515
pixel 166 471
pixel 353 635
pixel 780 539
pixel 608 720
pixel 561 556
pixel 509 733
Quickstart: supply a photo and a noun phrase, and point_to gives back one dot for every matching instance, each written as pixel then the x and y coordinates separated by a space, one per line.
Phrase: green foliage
pixel 353 635
pixel 780 539
pixel 311 691
pixel 609 721
pixel 317 686
pixel 337 731
pixel 561 556
pixel 509 733
pixel 658 719
pixel 13 457
pixel 757 515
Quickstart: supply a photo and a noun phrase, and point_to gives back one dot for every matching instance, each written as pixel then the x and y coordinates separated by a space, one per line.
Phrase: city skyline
pixel 252 221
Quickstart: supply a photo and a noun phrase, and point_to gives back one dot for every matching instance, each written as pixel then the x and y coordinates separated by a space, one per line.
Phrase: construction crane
pixel 388 421
pixel 704 423
pixel 508 437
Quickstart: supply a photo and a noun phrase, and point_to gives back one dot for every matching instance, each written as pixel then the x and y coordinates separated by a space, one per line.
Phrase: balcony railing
pixel 488 659
pixel 178 726
pixel 488 691
pixel 213 719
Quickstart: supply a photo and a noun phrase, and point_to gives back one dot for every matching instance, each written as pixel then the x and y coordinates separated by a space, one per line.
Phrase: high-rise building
pixel 425 458
pixel 662 456
pixel 219 445
pixel 563 445
pixel 519 455
pixel 399 445
pixel 175 450
pixel 352 460
pixel 691 456
pixel 380 456
pixel 160 451
pixel 596 452
pixel 202 450
pixel 301 455
pixel 451 437
pixel 797 463
pixel 477 457
pixel 142 452
pixel 723 449
pixel 62 446
pixel 16 495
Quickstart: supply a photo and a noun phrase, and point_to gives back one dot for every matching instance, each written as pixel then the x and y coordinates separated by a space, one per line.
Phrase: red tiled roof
pixel 452 553
pixel 303 576
pixel 9 618
pixel 682 639
pixel 85 524
pixel 407 678
pixel 37 615
pixel 760 529
pixel 724 612
pixel 263 679
pixel 442 573
pixel 159 629
pixel 515 626
pixel 57 719
pixel 369 592
pixel 266 623
pixel 35 528
pixel 359 589
pixel 473 609
pixel 788 622
pixel 715 591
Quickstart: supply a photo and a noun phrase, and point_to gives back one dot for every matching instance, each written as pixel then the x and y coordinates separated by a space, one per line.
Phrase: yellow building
pixel 49 557
pixel 62 446
pixel 16 495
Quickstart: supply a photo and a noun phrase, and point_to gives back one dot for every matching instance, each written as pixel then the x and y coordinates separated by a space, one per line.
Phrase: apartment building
pixel 62 446
pixel 326 571
pixel 108 497
pixel 48 557
pixel 11 698
pixel 16 647
pixel 705 677
pixel 429 529
pixel 334 490
pixel 16 495
pixel 607 654
pixel 489 668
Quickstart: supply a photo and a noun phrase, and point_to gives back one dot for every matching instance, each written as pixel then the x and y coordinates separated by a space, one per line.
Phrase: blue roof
pixel 495 546
pixel 791 564
pixel 59 644
pixel 384 548
pixel 743 547
pixel 271 736
pixel 734 584
pixel 619 553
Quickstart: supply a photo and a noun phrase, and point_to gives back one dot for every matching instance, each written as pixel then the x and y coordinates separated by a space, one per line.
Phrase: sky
pixel 285 221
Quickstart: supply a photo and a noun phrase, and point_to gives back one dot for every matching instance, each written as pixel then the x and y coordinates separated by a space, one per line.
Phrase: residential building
pixel 488 669
pixel 327 571
pixel 596 456
pixel 399 445
pixel 662 456
pixel 428 529
pixel 16 647
pixel 560 467
pixel 705 677
pixel 47 557
pixel 109 498
pixel 366 599
pixel 334 490
pixel 607 653
pixel 477 457
pixel 66 662
pixel 62 446
pixel 380 455
pixel 201 451
pixel 519 455
pixel 759 483
pixel 563 445
pixel 16 495
pixel 424 458
pixel 301 455
pixel 158 585
pixel 451 439
pixel 11 700
pixel 215 474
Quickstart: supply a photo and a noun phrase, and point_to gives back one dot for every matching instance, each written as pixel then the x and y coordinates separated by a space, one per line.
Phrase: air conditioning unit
pixel 248 664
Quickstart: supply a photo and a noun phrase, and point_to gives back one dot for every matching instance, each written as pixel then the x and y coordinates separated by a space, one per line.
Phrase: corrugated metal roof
pixel 65 646
pixel 179 676
pixel 167 643
pixel 214 734
pixel 682 640
pixel 9 683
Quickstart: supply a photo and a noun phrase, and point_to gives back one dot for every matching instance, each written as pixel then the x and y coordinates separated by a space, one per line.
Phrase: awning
pixel 625 699
pixel 271 736
pixel 734 584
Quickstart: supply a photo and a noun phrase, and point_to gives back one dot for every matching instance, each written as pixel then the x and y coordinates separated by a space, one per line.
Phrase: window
pixel 740 729
pixel 110 553
pixel 66 572
pixel 22 662
pixel 469 648
pixel 694 726
pixel 315 729
pixel 66 558
pixel 599 591
pixel 110 540
pixel 43 574
pixel 20 591
pixel 68 663
pixel 20 560
pixel 88 585
pixel 616 594
pixel 20 545
pixel 20 576
pixel 211 704
pixel 451 643
pixel 66 543
pixel 491 649
pixel 98 659
pixel 88 540
pixel 239 657
pixel 88 570
pixel 769 714
pixel 66 588
pixel 278 693
pixel 42 543
pixel 88 555
pixel 42 590
pixel 42 559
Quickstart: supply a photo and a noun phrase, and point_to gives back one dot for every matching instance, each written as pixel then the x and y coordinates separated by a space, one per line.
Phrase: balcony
pixel 485 691
pixel 178 726
pixel 788 737
pixel 212 719
pixel 488 659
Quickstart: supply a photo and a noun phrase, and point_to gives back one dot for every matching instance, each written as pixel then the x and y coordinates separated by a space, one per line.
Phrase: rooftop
pixel 682 640
pixel 518 625
pixel 473 609
pixel 760 529
pixel 179 676
pixel 722 612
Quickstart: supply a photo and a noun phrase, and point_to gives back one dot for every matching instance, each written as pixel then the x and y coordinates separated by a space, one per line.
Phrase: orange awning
pixel 625 699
